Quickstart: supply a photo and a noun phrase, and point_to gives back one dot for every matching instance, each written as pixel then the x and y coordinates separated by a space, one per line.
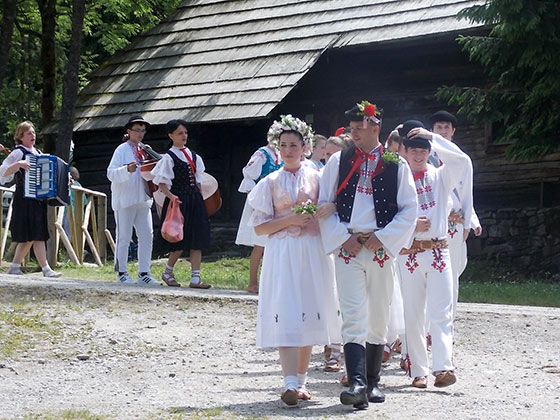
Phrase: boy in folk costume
pixel 131 203
pixel 462 217
pixel 376 211
pixel 425 267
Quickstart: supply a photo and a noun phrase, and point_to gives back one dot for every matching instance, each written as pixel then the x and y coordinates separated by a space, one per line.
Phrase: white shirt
pixel 396 235
pixel 12 158
pixel 253 169
pixel 463 199
pixel 163 171
pixel 435 187
pixel 127 188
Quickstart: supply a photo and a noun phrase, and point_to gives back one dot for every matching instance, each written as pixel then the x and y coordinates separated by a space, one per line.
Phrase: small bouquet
pixel 305 208
pixel 390 157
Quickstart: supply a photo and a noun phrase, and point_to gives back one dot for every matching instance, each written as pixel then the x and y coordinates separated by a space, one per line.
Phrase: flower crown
pixel 289 123
pixel 369 111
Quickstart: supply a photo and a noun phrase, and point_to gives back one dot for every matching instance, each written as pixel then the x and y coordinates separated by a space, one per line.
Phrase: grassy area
pixel 482 282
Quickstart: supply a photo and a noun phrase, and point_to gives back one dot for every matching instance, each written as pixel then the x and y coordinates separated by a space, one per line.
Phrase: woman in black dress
pixel 28 226
pixel 178 175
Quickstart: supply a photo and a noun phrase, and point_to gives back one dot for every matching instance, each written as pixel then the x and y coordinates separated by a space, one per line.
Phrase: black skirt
pixel 29 219
pixel 196 228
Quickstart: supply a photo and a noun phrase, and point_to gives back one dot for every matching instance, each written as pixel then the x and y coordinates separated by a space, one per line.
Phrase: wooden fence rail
pixel 74 225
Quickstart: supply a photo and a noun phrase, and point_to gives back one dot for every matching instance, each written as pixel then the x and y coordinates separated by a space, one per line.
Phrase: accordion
pixel 47 179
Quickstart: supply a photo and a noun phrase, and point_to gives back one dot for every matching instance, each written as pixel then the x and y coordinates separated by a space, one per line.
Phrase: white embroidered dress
pixel 298 305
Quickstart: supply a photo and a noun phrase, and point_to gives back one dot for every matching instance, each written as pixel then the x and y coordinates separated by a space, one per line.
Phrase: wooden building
pixel 230 67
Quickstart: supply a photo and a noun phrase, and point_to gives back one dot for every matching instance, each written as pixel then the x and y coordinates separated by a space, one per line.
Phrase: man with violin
pixel 131 202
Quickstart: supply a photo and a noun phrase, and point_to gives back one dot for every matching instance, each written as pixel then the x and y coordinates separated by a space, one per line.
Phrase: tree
pixel 520 56
pixel 6 32
pixel 71 82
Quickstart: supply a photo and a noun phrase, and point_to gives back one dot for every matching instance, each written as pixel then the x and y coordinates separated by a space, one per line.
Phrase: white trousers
pixel 426 280
pixel 458 254
pixel 138 216
pixel 365 287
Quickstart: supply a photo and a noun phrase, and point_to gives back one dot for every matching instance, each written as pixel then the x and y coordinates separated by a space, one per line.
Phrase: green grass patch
pixel 485 282
pixel 225 273
pixel 66 415
pixel 21 325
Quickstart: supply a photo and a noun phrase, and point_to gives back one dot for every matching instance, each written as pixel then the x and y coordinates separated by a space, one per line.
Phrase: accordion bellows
pixel 47 179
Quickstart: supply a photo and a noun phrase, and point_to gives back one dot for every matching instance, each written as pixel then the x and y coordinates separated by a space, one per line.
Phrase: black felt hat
pixel 443 116
pixel 136 119
pixel 357 114
pixel 417 141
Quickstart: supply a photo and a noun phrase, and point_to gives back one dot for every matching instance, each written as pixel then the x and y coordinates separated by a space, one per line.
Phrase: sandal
pixel 169 279
pixel 333 365
pixel 199 285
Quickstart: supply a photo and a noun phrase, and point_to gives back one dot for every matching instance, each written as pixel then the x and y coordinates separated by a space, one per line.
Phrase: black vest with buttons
pixel 384 190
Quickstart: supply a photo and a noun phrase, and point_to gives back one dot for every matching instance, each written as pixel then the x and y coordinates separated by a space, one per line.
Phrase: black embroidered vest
pixel 384 184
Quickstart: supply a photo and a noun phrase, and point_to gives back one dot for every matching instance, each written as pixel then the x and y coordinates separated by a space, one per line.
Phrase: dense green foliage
pixel 109 25
pixel 520 56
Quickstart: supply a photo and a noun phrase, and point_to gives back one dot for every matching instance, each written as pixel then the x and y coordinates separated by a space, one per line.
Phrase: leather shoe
pixel 445 378
pixel 303 394
pixel 374 395
pixel 420 382
pixel 356 396
pixel 289 397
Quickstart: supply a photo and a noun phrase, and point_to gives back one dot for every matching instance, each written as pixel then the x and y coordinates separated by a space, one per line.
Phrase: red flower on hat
pixel 369 110
pixel 339 131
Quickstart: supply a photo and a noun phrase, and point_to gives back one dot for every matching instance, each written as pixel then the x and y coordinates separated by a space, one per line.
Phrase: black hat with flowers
pixel 413 142
pixel 443 116
pixel 365 111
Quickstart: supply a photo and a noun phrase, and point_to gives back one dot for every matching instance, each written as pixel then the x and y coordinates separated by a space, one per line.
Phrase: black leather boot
pixel 374 357
pixel 355 357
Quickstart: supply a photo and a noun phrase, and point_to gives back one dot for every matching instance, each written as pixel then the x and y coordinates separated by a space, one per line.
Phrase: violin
pixel 151 157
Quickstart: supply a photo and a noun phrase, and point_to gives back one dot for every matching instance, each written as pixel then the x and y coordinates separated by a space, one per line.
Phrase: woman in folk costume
pixel 298 306
pixel 29 226
pixel 179 176
pixel 263 162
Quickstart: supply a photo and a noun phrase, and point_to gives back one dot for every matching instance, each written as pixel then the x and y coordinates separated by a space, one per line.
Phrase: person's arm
pixel 163 175
pixel 13 163
pixel 275 225
pixel 334 233
pixel 252 171
pixel 119 169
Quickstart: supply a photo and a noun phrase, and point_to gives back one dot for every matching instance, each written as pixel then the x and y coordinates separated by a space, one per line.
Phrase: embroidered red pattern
pixel 345 255
pixel 452 229
pixel 438 263
pixel 380 256
pixel 411 263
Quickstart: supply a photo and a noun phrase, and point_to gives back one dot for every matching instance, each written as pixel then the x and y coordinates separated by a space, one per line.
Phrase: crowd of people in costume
pixel 361 243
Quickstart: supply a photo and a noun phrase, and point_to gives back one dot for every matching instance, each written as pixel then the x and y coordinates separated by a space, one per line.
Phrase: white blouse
pixel 12 158
pixel 253 169
pixel 163 171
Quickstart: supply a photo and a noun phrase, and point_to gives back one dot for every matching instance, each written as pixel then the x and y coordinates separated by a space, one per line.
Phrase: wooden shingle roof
pixel 215 60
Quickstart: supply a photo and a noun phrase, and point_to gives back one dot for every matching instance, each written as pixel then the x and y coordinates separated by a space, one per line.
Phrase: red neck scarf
pixel 359 158
pixel 419 175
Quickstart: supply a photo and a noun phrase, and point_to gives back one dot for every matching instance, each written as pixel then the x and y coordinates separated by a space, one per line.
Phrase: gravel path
pixel 128 352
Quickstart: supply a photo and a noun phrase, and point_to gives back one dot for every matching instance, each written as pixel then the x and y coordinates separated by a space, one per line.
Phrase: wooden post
pixel 77 234
pixel 52 250
pixel 102 227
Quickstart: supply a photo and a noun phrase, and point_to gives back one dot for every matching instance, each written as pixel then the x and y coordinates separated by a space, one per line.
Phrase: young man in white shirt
pixel 131 204
pixel 462 217
pixel 425 267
